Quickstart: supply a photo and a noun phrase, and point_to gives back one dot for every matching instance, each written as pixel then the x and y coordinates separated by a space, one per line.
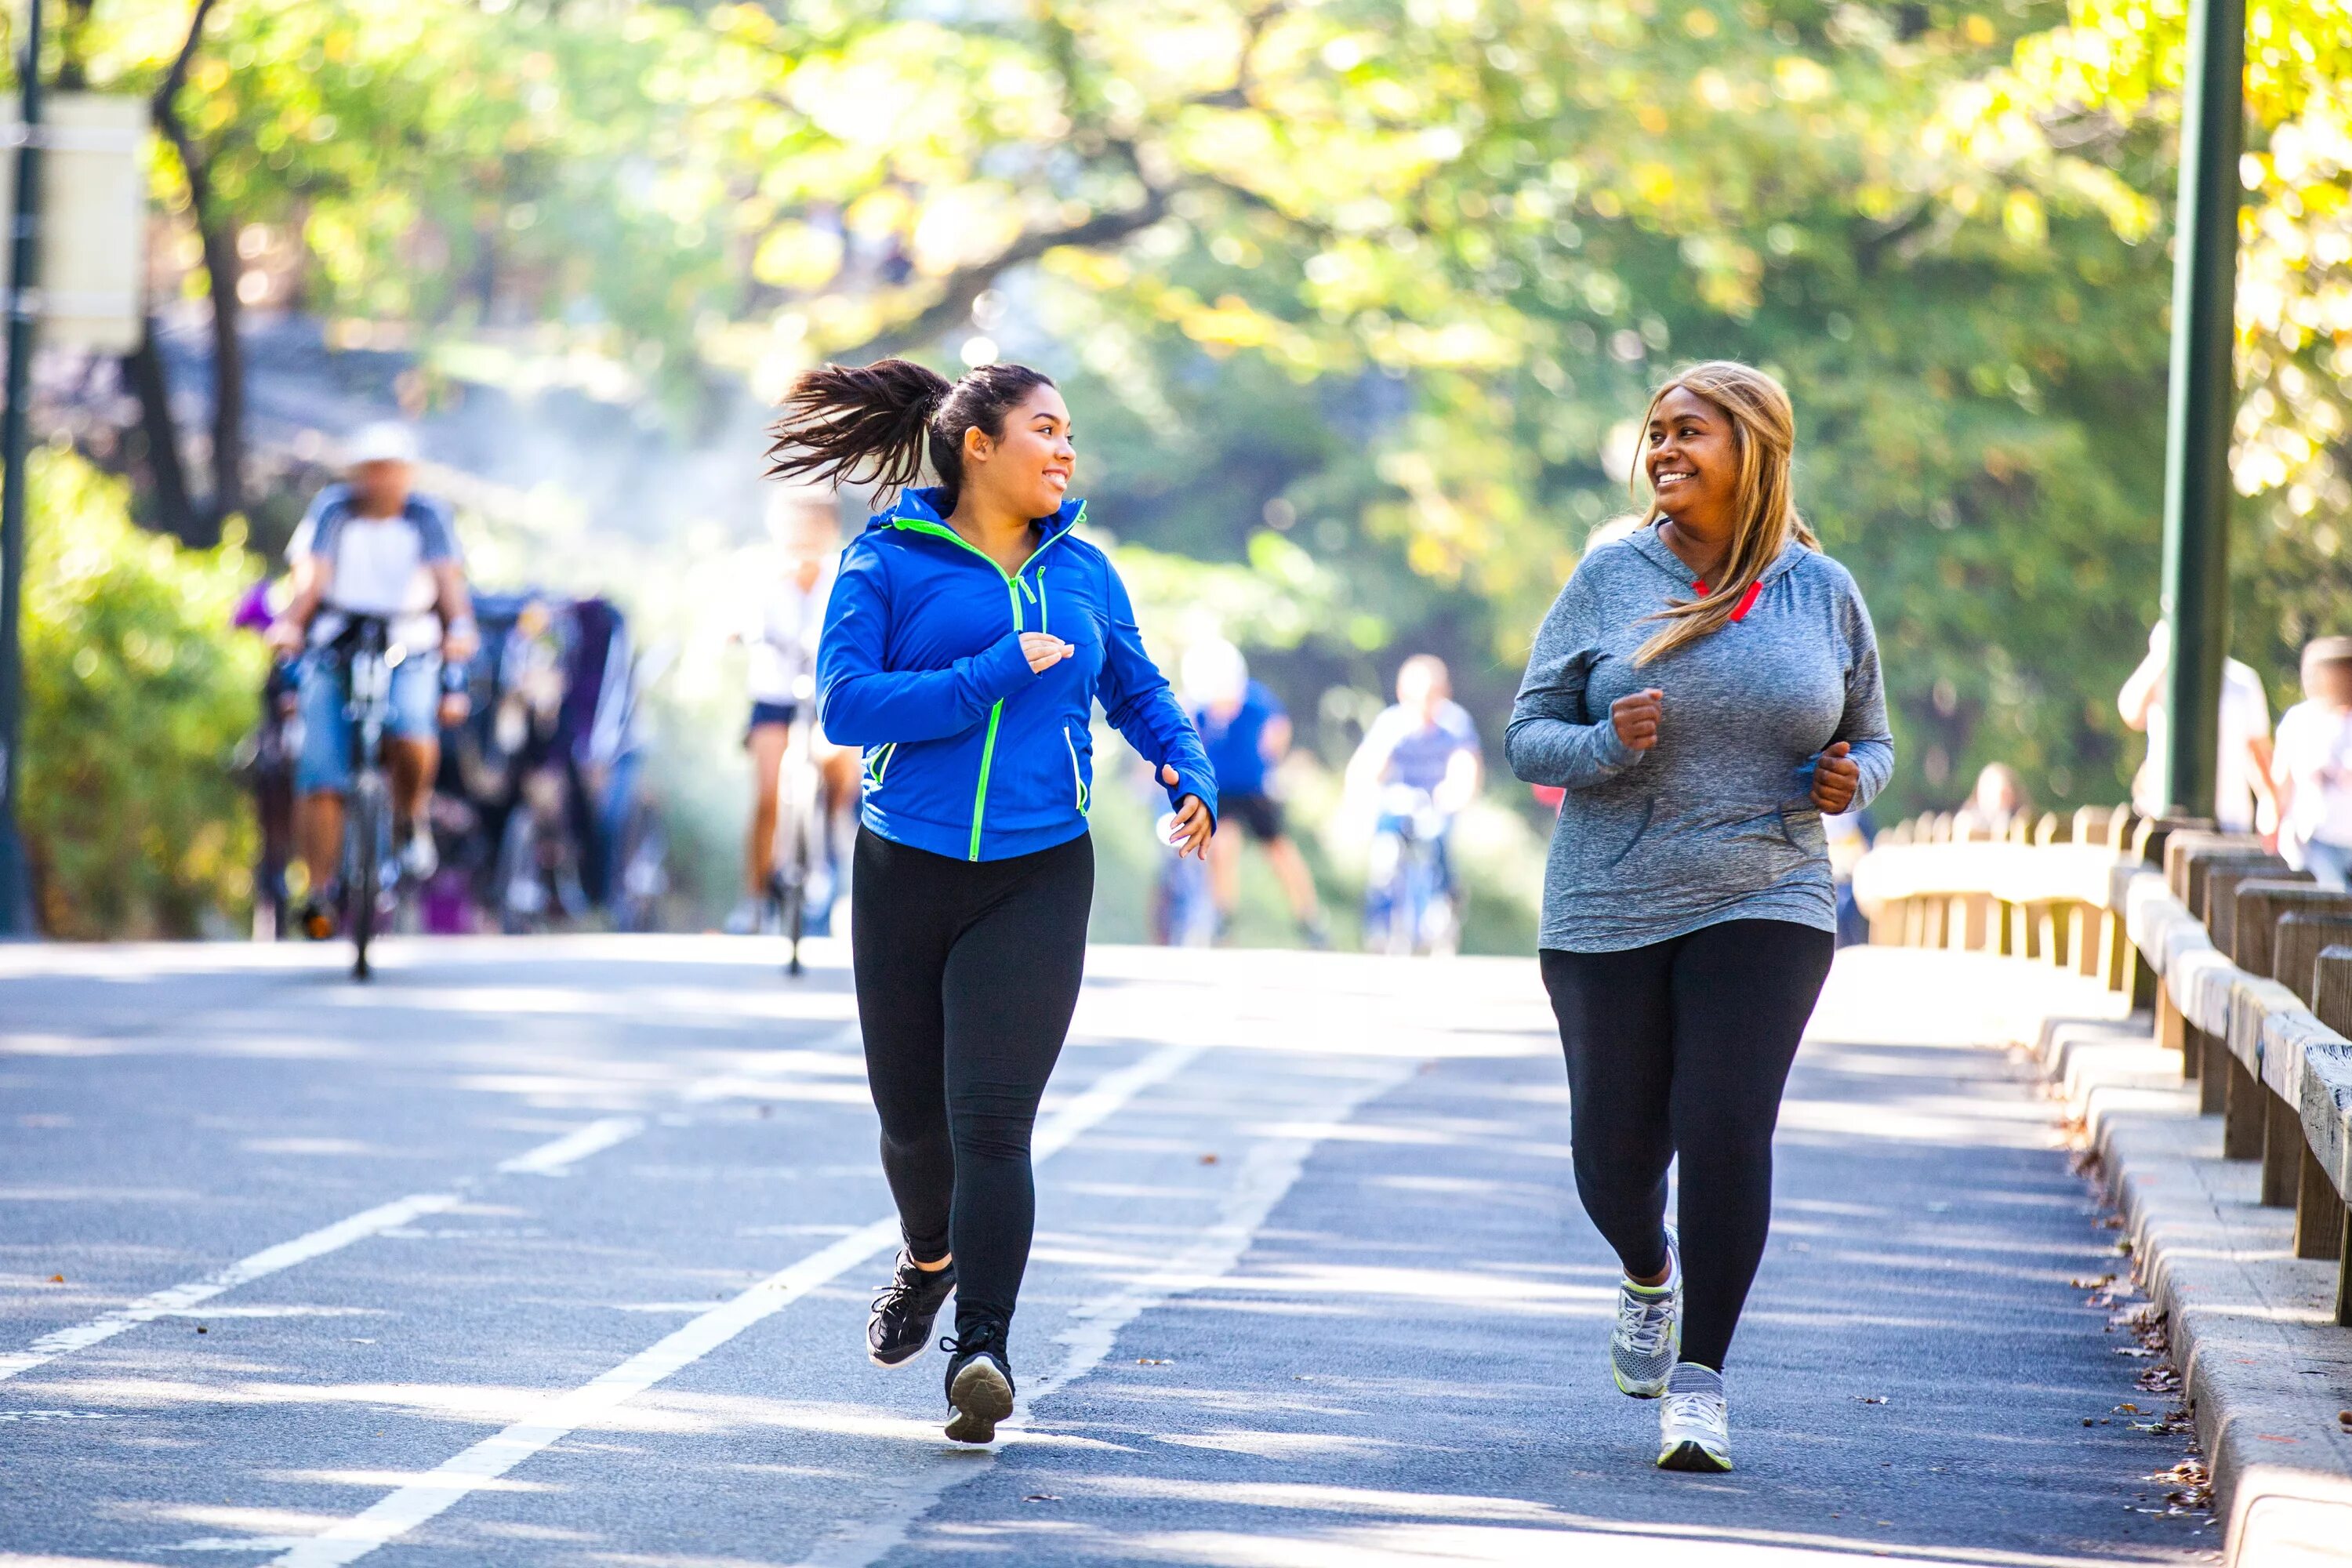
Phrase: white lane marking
pixel 440 1489
pixel 553 1158
pixel 1268 1172
pixel 548 1159
pixel 268 1261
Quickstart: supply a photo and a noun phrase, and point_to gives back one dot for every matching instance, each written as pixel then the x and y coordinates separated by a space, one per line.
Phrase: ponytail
pixel 876 424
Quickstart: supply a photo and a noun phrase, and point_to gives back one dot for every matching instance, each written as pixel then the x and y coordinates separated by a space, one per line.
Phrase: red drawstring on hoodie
pixel 1747 600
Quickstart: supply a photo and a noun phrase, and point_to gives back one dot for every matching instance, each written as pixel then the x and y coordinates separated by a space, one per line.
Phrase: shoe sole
pixel 1689 1455
pixel 1640 1390
pixel 981 1398
pixel 878 1359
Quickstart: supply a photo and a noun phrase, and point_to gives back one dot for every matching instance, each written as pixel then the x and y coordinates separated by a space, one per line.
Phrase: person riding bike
pixel 781 637
pixel 1419 762
pixel 372 546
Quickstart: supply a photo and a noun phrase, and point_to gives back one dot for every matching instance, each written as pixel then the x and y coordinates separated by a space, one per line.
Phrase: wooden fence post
pixel 2321 1227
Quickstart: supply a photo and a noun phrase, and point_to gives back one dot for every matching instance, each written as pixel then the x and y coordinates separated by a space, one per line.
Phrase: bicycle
pixel 1184 901
pixel 1410 901
pixel 800 820
pixel 371 881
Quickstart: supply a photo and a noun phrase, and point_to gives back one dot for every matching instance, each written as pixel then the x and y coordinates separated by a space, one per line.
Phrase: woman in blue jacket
pixel 969 635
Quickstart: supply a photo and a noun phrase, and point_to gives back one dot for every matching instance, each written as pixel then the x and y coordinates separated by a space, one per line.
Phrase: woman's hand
pixel 1194 823
pixel 1043 651
pixel 1635 718
pixel 1835 777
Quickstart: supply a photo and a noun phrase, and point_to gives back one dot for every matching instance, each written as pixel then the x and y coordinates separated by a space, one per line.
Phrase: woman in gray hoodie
pixel 1704 688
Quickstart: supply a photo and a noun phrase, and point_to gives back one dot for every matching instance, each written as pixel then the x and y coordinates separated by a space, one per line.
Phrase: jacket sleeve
pixel 1136 699
pixel 1863 725
pixel 1553 740
pixel 862 703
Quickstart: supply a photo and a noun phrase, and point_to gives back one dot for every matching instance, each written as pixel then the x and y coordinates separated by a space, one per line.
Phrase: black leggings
pixel 967 974
pixel 1682 1049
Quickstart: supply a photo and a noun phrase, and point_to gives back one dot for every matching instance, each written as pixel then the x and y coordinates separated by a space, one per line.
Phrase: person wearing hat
pixel 373 545
pixel 2311 766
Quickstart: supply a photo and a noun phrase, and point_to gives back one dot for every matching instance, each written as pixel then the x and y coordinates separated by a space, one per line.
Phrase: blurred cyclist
pixel 373 546
pixel 1246 733
pixel 1420 762
pixel 782 639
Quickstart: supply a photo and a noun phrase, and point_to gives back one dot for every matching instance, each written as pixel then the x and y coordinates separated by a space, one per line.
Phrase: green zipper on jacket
pixel 1014 589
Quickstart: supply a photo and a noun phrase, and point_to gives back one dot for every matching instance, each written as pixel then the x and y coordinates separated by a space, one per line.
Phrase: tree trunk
pixel 221 272
pixel 142 367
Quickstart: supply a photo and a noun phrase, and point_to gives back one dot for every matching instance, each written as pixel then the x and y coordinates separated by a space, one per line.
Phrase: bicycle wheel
pixel 364 840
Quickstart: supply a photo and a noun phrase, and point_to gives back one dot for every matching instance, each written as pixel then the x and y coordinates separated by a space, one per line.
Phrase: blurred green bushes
pixel 137 693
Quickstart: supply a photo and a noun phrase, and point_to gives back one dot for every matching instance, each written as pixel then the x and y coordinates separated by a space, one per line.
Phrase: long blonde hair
pixel 1764 428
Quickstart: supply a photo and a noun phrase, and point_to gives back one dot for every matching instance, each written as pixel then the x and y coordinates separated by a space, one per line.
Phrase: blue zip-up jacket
pixel 969 753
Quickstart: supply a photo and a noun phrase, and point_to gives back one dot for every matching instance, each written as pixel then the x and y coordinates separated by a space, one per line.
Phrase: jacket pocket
pixel 1077 767
pixel 877 765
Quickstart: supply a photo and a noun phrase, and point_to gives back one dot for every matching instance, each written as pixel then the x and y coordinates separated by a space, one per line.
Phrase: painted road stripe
pixel 548 1159
pixel 438 1490
pixel 1271 1169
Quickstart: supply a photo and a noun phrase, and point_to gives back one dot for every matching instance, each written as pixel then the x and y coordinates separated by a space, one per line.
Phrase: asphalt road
pixel 558 1252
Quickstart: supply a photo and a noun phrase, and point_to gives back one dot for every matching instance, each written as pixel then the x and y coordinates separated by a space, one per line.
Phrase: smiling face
pixel 1692 457
pixel 1026 467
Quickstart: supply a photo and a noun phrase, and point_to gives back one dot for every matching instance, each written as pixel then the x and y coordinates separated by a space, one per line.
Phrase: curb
pixel 2264 1368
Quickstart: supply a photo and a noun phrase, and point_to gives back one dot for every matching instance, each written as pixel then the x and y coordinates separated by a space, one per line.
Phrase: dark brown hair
pixel 876 424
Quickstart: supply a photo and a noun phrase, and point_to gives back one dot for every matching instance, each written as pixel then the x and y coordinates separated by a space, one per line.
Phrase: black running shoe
pixel 901 1324
pixel 979 1382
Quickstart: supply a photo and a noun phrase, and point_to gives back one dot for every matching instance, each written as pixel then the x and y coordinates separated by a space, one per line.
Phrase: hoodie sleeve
pixel 1135 698
pixel 862 703
pixel 1864 726
pixel 1550 739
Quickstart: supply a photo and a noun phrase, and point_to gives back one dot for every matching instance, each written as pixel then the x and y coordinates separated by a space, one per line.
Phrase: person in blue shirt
pixel 968 637
pixel 1247 732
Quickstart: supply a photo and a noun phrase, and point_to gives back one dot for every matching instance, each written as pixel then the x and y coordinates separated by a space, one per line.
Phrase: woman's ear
pixel 977 447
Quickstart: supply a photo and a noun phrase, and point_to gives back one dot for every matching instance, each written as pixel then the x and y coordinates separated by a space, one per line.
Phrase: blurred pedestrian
pixel 2242 791
pixel 371 545
pixel 1706 689
pixel 2311 770
pixel 969 635
pixel 1247 733
pixel 1998 799
pixel 782 637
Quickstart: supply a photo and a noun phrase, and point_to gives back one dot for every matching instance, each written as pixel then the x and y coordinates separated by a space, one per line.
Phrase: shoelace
pixel 1650 1325
pixel 899 1295
pixel 1703 1411
pixel 986 1336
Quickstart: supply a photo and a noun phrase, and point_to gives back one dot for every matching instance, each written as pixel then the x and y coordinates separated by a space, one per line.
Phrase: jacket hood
pixel 1651 548
pixel 922 506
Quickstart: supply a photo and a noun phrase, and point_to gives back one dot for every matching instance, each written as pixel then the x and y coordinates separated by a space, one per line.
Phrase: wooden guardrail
pixel 2246 966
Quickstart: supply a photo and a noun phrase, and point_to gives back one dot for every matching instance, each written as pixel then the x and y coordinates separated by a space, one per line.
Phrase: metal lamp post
pixel 2204 401
pixel 24 253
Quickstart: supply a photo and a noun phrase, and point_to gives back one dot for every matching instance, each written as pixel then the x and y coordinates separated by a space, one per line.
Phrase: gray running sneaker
pixel 1694 1422
pixel 1649 1331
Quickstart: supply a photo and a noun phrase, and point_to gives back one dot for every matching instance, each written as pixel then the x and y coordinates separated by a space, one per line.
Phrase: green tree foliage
pixel 2102 92
pixel 1388 277
pixel 137 693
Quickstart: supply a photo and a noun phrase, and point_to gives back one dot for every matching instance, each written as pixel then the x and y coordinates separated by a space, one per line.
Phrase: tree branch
pixel 966 284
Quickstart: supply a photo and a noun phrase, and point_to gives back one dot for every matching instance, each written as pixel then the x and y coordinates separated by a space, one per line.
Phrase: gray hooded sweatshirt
pixel 1716 823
